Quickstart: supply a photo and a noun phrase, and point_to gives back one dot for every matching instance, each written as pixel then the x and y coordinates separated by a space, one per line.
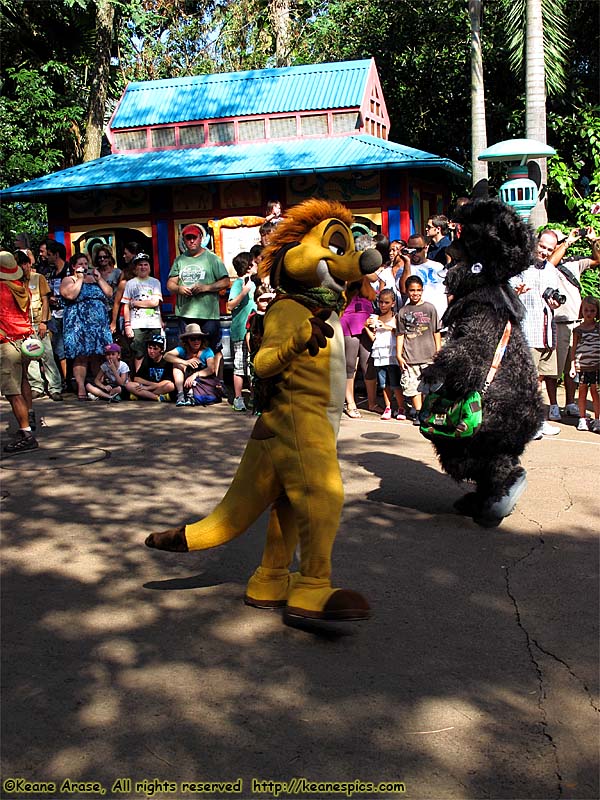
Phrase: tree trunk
pixel 94 128
pixel 478 126
pixel 535 99
pixel 280 20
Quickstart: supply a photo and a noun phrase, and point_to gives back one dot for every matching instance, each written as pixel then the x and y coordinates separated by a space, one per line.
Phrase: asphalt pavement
pixel 143 674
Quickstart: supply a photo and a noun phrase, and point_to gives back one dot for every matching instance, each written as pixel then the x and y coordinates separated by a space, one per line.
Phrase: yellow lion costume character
pixel 290 462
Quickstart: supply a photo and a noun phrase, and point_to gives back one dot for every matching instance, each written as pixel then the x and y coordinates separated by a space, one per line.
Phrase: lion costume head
pixel 313 248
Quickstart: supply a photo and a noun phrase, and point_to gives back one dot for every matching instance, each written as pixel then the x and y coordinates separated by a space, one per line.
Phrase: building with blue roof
pixel 213 149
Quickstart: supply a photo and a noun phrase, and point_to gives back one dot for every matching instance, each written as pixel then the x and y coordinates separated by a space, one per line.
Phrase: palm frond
pixel 556 42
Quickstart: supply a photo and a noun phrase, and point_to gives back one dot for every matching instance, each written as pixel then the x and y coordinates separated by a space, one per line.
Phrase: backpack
pixel 462 418
pixel 453 419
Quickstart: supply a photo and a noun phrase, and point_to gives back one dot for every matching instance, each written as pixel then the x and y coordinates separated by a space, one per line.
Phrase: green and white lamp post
pixel 519 191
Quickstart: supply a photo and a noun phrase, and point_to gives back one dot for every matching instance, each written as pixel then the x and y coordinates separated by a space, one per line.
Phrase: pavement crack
pixel 570 671
pixel 531 644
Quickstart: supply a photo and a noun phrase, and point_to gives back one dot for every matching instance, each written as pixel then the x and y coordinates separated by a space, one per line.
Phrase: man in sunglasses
pixel 196 278
pixel 436 232
pixel 432 273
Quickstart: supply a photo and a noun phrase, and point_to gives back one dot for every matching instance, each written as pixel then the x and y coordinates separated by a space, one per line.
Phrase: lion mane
pixel 298 221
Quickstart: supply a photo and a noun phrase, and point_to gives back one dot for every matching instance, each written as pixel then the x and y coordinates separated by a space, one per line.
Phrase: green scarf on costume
pixel 313 298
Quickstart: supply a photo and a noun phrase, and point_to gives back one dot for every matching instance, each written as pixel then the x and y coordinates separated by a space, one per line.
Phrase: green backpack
pixel 459 419
pixel 453 419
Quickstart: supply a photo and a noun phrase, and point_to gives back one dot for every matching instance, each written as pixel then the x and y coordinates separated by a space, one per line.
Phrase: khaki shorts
pixel 12 364
pixel 410 379
pixel 564 337
pixel 544 361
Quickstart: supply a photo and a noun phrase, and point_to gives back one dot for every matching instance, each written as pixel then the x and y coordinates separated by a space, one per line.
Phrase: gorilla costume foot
pixel 492 514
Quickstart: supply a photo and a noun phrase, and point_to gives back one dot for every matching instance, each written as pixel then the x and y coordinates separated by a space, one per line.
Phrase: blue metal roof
pixel 247 161
pixel 236 94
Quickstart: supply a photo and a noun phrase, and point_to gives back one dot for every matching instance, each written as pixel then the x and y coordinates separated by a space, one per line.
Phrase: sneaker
pixel 32 420
pixel 595 426
pixel 238 404
pixel 582 424
pixel 25 441
pixel 182 400
pixel 554 413
pixel 116 398
pixel 400 414
pixel 56 396
pixel 92 397
pixel 572 410
pixel 387 414
pixel 547 430
pixel 36 395
pixel 163 398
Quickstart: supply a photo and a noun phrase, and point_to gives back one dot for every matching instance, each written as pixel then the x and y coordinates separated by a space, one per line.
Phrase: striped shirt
pixel 587 355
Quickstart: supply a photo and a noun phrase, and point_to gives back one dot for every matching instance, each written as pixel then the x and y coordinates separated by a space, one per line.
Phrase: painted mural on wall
pixel 240 194
pixel 194 197
pixel 111 203
pixel 344 186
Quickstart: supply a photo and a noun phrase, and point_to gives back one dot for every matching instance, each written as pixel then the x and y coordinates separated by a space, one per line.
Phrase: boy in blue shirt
pixel 240 304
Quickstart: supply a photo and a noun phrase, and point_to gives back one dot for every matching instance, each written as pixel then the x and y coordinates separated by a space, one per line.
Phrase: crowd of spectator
pixel 105 338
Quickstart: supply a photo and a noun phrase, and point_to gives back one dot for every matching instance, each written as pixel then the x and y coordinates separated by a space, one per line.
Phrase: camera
pixel 554 294
pixel 408 251
pixel 582 233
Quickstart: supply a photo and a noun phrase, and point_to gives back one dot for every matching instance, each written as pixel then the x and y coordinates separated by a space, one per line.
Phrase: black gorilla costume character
pixel 494 245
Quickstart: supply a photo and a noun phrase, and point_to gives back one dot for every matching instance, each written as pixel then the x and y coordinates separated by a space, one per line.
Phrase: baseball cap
pixel 141 257
pixel 156 339
pixel 192 228
pixel 112 348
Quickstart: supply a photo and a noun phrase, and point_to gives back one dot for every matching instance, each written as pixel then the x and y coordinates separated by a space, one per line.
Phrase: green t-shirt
pixel 240 314
pixel 205 268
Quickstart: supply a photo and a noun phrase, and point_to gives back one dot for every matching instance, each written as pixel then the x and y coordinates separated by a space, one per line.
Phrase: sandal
pixel 353 412
pixel 82 397
pixel 376 409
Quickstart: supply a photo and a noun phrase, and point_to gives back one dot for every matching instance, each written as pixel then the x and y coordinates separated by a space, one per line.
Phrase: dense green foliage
pixel 422 51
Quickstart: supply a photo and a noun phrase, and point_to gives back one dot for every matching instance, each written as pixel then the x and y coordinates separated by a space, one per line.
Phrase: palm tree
pixel 105 16
pixel 478 126
pixel 544 58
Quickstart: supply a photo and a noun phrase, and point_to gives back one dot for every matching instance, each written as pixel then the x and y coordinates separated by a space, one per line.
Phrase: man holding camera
pixel 539 290
pixel 567 316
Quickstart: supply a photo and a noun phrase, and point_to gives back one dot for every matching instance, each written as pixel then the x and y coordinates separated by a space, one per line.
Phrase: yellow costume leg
pixel 271 582
pixel 313 483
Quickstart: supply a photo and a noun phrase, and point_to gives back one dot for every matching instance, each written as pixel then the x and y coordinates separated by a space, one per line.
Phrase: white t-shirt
pixel 137 289
pixel 433 274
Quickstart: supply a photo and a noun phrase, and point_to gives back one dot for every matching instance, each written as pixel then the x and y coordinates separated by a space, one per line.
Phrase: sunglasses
pixel 190 236
pixel 194 338
pixel 103 258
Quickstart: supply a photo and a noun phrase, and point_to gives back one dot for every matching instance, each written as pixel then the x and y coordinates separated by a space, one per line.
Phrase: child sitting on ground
pixel 382 332
pixel 586 363
pixel 112 376
pixel 154 377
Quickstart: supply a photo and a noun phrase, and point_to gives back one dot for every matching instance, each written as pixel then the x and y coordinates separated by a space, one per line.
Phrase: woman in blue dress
pixel 86 323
